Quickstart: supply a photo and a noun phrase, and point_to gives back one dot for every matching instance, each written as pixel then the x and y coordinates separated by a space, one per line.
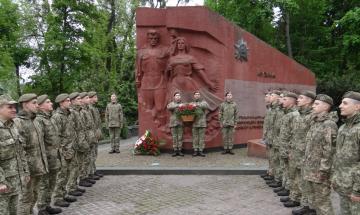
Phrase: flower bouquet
pixel 187 112
pixel 147 144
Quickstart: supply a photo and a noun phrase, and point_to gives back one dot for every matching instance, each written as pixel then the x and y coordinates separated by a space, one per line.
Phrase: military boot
pixel 94 177
pixel 175 153
pixel 75 193
pixel 84 183
pixel 276 190
pixel 90 180
pixel 291 204
pixel 80 190
pixel 201 154
pixel 311 212
pixel 231 152
pixel 275 184
pixel 62 203
pixel 43 212
pixel 181 154
pixel 195 153
pixel 269 177
pixel 70 199
pixel 264 175
pixel 301 211
pixel 284 192
pixel 111 151
pixel 97 173
pixel 52 210
pixel 285 199
pixel 225 151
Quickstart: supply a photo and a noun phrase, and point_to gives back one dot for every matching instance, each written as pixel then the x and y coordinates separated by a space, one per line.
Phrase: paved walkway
pixel 212 159
pixel 179 195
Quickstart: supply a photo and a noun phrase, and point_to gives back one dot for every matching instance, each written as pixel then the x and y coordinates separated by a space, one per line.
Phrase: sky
pixel 191 3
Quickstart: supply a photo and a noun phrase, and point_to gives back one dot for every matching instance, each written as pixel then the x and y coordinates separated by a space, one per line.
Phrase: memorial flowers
pixel 147 144
pixel 187 112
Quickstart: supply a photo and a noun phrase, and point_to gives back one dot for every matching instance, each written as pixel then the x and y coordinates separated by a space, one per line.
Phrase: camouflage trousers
pixel 31 193
pixel 177 137
pixel 228 137
pixel 114 133
pixel 65 178
pixel 93 155
pixel 284 166
pixel 270 154
pixel 9 204
pixel 295 180
pixel 50 182
pixel 83 159
pixel 347 207
pixel 198 138
pixel 319 197
pixel 275 159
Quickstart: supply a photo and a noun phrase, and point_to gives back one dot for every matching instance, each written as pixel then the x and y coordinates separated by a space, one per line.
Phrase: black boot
pixel 62 203
pixel 117 151
pixel 111 151
pixel 231 152
pixel 276 190
pixel 75 193
pixel 276 184
pixel 285 199
pixel 264 175
pixel 301 211
pixel 269 177
pixel 70 199
pixel 80 190
pixel 195 153
pixel 291 204
pixel 268 182
pixel 181 154
pixel 201 154
pixel 43 212
pixel 51 210
pixel 284 192
pixel 175 153
pixel 94 177
pixel 84 183
pixel 97 173
pixel 90 180
pixel 224 152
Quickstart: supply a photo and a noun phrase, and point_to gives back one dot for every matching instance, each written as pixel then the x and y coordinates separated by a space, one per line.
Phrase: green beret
pixel 27 97
pixel 308 93
pixel 73 95
pixel 352 95
pixel 41 99
pixel 61 97
pixel 290 94
pixel 277 92
pixel 92 93
pixel 325 98
pixel 6 100
pixel 83 94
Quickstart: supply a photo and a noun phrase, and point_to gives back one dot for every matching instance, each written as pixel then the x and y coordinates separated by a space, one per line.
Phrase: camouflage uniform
pixel 266 128
pixel 114 121
pixel 98 134
pixel 285 137
pixel 346 165
pixel 269 124
pixel 228 119
pixel 176 126
pixel 30 132
pixel 50 137
pixel 67 137
pixel 301 126
pixel 199 125
pixel 90 130
pixel 320 140
pixel 13 167
pixel 275 155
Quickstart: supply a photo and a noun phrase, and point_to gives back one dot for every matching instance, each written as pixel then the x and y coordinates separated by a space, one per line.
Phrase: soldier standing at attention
pixel 228 119
pixel 266 128
pixel 346 165
pixel 199 125
pixel 320 141
pixel 30 132
pixel 67 137
pixel 114 120
pixel 285 137
pixel 13 163
pixel 98 133
pixel 176 125
pixel 50 137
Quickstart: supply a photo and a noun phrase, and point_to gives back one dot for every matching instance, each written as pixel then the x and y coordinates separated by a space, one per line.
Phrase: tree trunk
pixel 17 71
pixel 287 32
pixel 110 44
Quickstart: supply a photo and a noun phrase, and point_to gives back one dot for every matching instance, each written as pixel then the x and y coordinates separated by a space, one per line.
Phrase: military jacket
pixel 346 165
pixel 89 125
pixel 200 119
pixel 174 120
pixel 114 115
pixel 66 132
pixel 279 113
pixel 269 123
pixel 81 144
pixel 30 132
pixel 50 137
pixel 13 162
pixel 320 140
pixel 301 126
pixel 228 114
pixel 97 121
pixel 286 131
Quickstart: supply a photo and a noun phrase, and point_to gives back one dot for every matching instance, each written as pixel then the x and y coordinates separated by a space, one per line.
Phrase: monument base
pixel 256 149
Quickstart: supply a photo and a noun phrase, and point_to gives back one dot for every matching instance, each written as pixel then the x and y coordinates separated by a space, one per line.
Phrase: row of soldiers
pixel 44 154
pixel 309 155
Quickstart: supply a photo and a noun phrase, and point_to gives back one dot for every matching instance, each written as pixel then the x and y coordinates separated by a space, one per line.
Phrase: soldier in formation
pixel 114 120
pixel 317 155
pixel 199 125
pixel 176 125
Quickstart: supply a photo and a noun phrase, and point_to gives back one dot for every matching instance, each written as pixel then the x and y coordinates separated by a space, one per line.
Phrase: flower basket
pixel 148 144
pixel 187 118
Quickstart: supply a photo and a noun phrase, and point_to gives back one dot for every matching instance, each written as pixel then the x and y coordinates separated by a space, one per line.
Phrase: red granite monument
pixel 218 56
